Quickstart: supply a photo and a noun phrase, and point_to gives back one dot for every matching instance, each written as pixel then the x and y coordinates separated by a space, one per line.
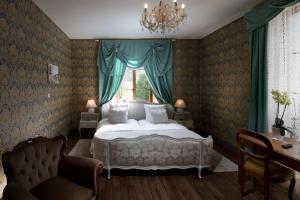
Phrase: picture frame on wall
pixel 53 75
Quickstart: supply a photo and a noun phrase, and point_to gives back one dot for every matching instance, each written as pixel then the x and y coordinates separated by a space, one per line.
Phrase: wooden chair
pixel 255 152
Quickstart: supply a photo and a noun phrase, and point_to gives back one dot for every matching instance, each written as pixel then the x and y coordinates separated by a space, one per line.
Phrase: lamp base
pixel 91 110
pixel 179 109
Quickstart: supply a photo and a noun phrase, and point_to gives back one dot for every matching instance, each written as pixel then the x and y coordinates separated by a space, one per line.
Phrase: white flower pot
pixel 276 133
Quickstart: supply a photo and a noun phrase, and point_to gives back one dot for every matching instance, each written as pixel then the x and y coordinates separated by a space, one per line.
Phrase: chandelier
pixel 164 18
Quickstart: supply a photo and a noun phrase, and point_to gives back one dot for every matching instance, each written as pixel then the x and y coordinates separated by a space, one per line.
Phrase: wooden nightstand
pixel 184 118
pixel 88 120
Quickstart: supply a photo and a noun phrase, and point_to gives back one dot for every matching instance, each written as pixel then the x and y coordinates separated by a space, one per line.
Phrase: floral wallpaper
pixel 225 81
pixel 85 76
pixel 28 42
pixel 186 69
pixel 187 57
pixel 212 75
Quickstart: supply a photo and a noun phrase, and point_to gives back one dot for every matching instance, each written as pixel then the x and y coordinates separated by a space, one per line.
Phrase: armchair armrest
pixel 15 191
pixel 81 170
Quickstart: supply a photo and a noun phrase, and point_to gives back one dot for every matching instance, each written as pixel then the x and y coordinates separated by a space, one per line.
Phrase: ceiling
pixel 95 19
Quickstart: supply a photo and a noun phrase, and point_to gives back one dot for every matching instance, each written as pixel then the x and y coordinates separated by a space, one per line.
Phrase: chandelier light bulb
pixel 163 18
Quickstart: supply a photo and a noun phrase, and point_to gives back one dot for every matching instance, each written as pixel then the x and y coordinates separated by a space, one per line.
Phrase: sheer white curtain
pixel 284 64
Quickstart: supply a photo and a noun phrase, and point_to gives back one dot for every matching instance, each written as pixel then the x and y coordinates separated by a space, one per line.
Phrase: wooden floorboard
pixel 216 186
pixel 181 185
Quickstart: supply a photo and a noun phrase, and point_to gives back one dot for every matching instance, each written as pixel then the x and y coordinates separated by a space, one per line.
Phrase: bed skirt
pixel 153 152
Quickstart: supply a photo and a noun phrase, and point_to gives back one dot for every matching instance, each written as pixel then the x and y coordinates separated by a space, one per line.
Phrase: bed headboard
pixel 136 110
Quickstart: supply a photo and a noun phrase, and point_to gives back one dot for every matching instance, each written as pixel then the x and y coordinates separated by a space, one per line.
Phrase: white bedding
pixel 142 145
pixel 105 126
pixel 135 129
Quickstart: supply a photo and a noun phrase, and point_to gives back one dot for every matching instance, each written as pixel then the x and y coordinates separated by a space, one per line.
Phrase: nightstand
pixel 184 118
pixel 88 120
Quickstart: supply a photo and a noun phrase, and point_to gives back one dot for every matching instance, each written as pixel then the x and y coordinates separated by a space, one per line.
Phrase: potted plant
pixel 281 98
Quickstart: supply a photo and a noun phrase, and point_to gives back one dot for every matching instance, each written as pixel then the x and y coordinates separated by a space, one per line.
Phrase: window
pixel 134 86
pixel 284 64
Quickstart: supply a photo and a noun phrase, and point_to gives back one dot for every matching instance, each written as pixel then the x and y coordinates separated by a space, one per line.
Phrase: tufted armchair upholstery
pixel 38 169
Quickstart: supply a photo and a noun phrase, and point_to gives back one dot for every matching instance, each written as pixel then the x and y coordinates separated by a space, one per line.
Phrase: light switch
pixel 49 95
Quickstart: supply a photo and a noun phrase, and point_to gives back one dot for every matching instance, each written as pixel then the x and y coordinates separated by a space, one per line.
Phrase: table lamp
pixel 180 105
pixel 91 105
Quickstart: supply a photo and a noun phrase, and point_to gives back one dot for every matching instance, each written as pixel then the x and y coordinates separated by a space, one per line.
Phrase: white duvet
pixel 134 129
pixel 105 126
pixel 170 145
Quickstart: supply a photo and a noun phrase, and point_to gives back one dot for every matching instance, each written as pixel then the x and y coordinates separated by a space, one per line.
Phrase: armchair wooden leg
pixel 239 176
pixel 291 188
pixel 242 182
pixel 266 190
pixel 254 183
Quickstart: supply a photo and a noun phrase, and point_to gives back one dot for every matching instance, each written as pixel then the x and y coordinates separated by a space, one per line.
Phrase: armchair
pixel 38 169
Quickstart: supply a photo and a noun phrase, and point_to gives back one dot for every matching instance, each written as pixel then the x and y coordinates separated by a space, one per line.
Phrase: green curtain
pixel 257 23
pixel 156 56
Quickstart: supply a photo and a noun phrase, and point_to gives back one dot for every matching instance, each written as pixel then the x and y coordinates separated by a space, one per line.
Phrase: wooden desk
pixel 288 157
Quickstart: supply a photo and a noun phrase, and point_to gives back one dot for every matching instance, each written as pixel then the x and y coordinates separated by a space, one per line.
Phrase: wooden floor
pixel 222 185
pixel 180 185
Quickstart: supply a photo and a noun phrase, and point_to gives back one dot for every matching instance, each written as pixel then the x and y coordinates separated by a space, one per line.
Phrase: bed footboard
pixel 153 152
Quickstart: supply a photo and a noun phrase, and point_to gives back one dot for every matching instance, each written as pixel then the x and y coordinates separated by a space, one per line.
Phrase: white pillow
pixel 118 106
pixel 118 114
pixel 159 116
pixel 149 107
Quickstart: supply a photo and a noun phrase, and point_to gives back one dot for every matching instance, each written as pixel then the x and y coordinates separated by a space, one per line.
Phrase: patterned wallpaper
pixel 212 75
pixel 186 69
pixel 28 42
pixel 225 81
pixel 186 75
pixel 85 76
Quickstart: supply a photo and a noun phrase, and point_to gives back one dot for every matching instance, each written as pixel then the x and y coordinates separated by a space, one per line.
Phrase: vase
pixel 278 132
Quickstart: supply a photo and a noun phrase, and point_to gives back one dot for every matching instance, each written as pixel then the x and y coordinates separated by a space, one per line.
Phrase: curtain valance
pixel 266 12
pixel 156 56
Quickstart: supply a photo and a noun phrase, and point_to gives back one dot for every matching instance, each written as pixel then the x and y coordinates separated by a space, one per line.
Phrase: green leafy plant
pixel 142 87
pixel 281 98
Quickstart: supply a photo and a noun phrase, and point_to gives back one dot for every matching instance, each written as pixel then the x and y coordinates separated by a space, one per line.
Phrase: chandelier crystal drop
pixel 164 18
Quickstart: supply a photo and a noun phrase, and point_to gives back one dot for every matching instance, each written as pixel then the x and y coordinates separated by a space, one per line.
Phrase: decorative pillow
pixel 149 107
pixel 118 114
pixel 159 116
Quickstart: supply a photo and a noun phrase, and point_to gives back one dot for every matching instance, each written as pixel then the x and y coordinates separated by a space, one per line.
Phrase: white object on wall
pixel 53 74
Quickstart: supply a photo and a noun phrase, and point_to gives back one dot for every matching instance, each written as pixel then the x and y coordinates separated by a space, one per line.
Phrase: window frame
pixel 134 79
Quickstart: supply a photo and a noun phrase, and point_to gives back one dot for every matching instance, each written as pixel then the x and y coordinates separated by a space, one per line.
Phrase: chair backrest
pixel 253 145
pixel 33 161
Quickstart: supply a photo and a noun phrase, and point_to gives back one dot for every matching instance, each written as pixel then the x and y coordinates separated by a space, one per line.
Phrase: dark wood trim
pixel 151 95
pixel 134 84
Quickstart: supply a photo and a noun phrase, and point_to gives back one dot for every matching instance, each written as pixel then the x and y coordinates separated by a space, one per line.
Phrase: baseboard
pixel 226 149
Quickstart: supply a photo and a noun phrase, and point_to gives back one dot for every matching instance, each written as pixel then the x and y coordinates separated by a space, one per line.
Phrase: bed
pixel 139 144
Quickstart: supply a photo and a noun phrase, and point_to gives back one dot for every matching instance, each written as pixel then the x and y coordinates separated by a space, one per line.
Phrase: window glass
pixel 284 65
pixel 143 89
pixel 134 86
